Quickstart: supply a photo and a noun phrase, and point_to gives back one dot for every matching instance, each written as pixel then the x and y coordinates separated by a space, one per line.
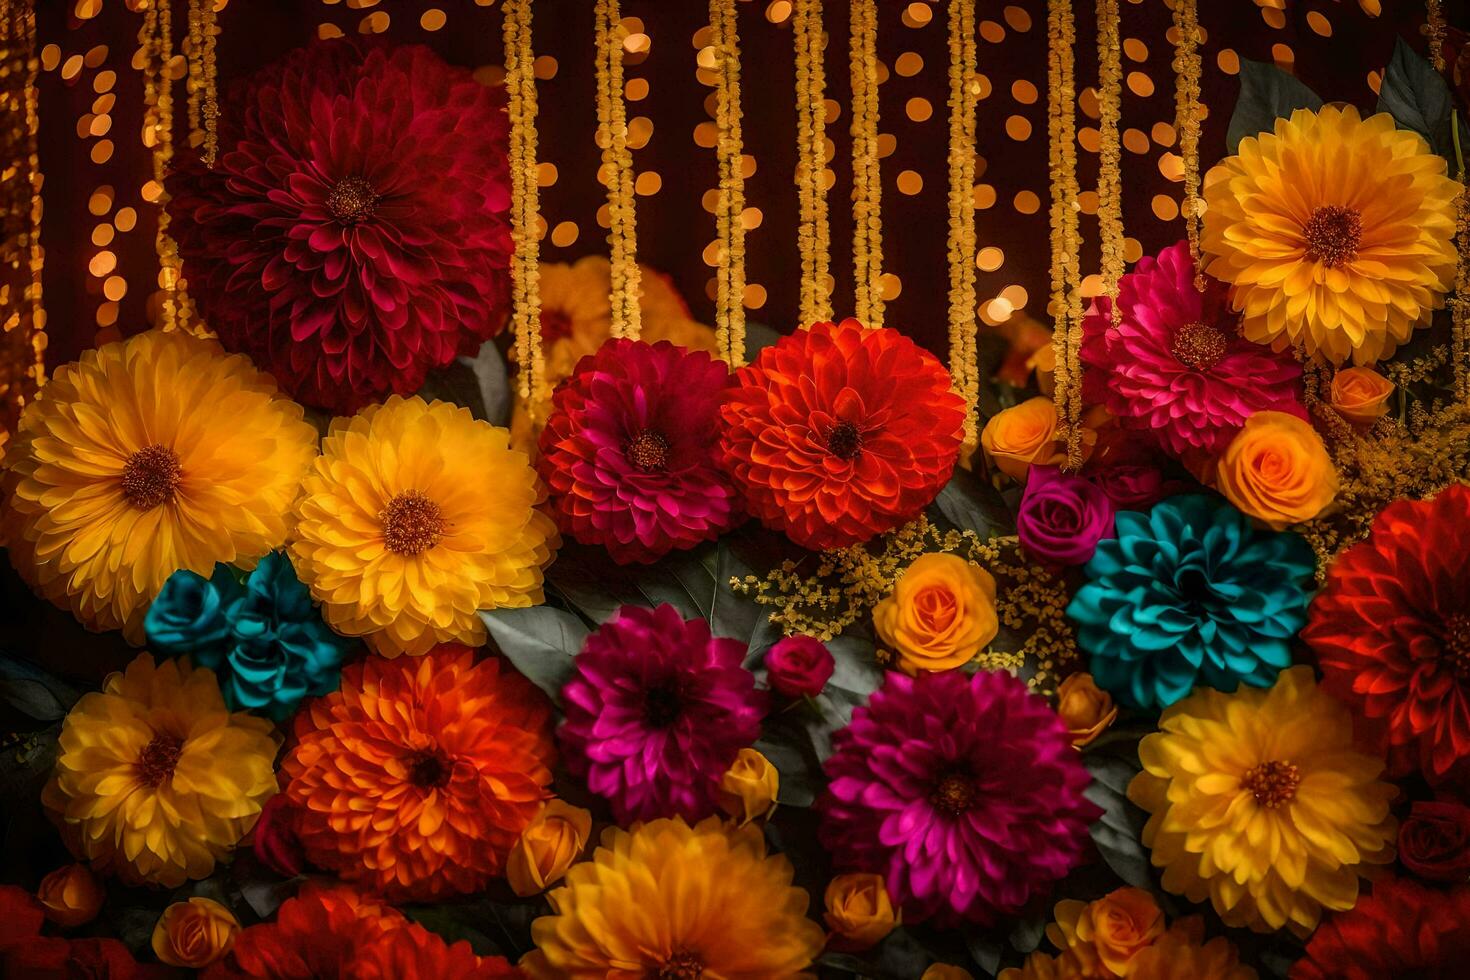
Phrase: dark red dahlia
pixel 354 233
pixel 838 433
pixel 1402 931
pixel 630 451
pixel 1391 632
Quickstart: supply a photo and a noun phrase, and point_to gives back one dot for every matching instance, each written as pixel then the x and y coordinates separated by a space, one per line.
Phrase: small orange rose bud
pixel 748 788
pixel 548 846
pixel 1084 708
pixel 859 910
pixel 195 933
pixel 72 895
pixel 1360 395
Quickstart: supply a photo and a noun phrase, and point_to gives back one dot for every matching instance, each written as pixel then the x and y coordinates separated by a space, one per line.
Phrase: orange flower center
pixel 151 477
pixel 1456 640
pixel 1199 346
pixel 352 199
pixel 683 965
pixel 953 794
pixel 157 760
pixel 1332 235
pixel 429 768
pixel 648 451
pixel 412 523
pixel 1272 783
pixel 844 440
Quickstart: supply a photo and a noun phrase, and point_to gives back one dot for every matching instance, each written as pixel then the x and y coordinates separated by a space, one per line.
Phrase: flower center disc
pixel 954 794
pixel 1272 783
pixel 151 477
pixel 661 706
pixel 352 199
pixel 844 440
pixel 1199 346
pixel 157 760
pixel 648 451
pixel 1332 235
pixel 412 523
pixel 1456 640
pixel 683 965
pixel 428 768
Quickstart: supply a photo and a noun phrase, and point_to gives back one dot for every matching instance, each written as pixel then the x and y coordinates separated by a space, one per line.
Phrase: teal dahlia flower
pixel 1191 593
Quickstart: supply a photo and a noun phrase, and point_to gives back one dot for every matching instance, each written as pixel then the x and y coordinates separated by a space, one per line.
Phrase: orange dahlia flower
pixel 418 776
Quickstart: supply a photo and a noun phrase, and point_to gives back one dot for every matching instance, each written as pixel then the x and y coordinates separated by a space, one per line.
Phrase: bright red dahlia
pixel 630 451
pixel 1391 632
pixel 1402 930
pixel 839 433
pixel 354 232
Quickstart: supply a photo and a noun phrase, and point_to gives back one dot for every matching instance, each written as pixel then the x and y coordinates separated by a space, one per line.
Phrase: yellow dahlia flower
pixel 416 516
pixel 1259 803
pixel 672 900
pixel 155 779
pixel 1335 231
pixel 148 455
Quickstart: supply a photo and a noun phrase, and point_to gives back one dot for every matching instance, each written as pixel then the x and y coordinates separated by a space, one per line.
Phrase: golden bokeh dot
pixel 648 184
pixel 374 23
pixel 1132 250
pixel 125 220
pixel 753 296
pixel 1165 207
pixel 1163 134
pixel 710 200
pixel 829 179
pixel 1091 286
pixel 1375 81
pixel 84 126
pixel 1319 23
pixel 102 234
pixel 104 81
pixel 72 67
pixel 50 57
pixel 545 67
pixel 1372 8
pixel 101 125
pixel 706 58
pixel 992 32
pixel 102 151
pixel 984 196
pixel 1135 140
pixel 1023 91
pixel 982 86
pixel 909 182
pixel 604 217
pixel 706 134
pixel 1273 17
pixel 95 56
pixel 832 110
pixel 87 9
pixel 1015 295
pixel 115 288
pixel 546 174
pixel 1026 202
pixel 747 166
pixel 1171 165
pixel 1140 84
pixel 889 286
pixel 917 14
pixel 887 143
pixel 104 103
pixel 909 64
pixel 778 11
pixel 1018 128
pixel 1018 18
pixel 1087 102
pixel 640 131
pixel 432 19
pixel 751 218
pixel 328 31
pixel 1087 201
pixel 711 254
pixel 106 317
pixel 1228 61
pixel 1090 139
pixel 998 310
pixel 102 263
pixel 990 258
pixel 638 42
pixel 711 288
pixel 541 228
pixel 882 72
pixel 636 90
pixel 702 37
pixel 564 234
pixel 1283 55
pixel 918 109
pixel 151 191
pixel 1135 49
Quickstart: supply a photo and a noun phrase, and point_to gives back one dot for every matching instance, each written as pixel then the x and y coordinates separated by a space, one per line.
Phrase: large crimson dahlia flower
pixel 1175 364
pixel 354 232
pixel 630 451
pixel 839 433
pixel 1391 632
pixel 1403 929
pixel 964 792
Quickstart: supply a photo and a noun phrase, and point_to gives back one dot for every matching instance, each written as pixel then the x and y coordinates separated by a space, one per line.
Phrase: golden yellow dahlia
pixel 1259 803
pixel 416 516
pixel 1335 231
pixel 148 455
pixel 672 900
pixel 155 778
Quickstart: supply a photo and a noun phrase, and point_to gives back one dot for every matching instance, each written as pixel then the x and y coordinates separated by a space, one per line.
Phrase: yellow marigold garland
pixel 1459 303
pixel 1187 120
pixel 1109 157
pixel 963 369
pixel 867 188
pixel 1066 284
pixel 813 235
pixel 22 250
pixel 203 80
pixel 1434 32
pixel 730 274
pixel 617 169
pixel 525 266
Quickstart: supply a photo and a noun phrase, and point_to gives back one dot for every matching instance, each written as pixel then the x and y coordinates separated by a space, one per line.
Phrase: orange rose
pixel 1277 470
pixel 1085 708
pixel 1109 931
pixel 72 895
pixel 1360 395
pixel 195 933
pixel 547 847
pixel 1022 435
pixel 859 910
pixel 748 789
pixel 940 614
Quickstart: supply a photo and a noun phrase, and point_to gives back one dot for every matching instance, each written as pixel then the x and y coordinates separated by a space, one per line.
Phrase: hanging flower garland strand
pixel 963 369
pixel 867 189
pixel 1459 303
pixel 22 254
pixel 617 170
pixel 730 282
pixel 525 266
pixel 1109 158
pixel 203 80
pixel 1066 292
pixel 813 235
pixel 1187 121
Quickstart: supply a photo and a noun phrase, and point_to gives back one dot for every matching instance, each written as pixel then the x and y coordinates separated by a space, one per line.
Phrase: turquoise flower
pixel 262 637
pixel 1191 593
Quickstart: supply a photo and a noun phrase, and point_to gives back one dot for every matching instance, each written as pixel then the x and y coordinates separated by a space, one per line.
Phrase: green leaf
pixel 1418 98
pixel 455 382
pixel 542 642
pixel 492 378
pixel 1266 94
pixel 985 949
pixel 1118 833
pixel 34 692
pixel 970 504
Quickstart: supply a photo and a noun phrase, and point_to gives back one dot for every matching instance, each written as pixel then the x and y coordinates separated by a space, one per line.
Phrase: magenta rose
pixel 1434 842
pixel 1131 486
pixel 1062 516
pixel 276 843
pixel 799 666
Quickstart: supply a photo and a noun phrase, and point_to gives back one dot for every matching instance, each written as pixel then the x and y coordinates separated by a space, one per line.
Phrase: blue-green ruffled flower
pixel 1191 593
pixel 262 637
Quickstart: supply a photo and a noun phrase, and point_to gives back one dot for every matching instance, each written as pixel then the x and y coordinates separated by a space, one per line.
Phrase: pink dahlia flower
pixel 656 712
pixel 964 792
pixel 1176 363
pixel 354 232
pixel 630 451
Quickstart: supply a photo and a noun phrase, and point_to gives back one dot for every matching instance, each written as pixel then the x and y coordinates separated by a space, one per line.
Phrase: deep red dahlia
pixel 354 232
pixel 630 451
pixel 316 934
pixel 1402 929
pixel 839 433
pixel 1391 632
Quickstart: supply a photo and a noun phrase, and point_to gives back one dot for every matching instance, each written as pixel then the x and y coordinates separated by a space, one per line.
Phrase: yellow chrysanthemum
pixel 672 900
pixel 1259 803
pixel 146 456
pixel 1335 231
pixel 155 778
pixel 416 516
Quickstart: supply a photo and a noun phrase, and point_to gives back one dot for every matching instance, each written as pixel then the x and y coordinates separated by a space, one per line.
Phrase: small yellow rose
pixel 1086 709
pixel 550 844
pixel 1022 435
pixel 859 910
pixel 1360 395
pixel 71 895
pixel 1277 470
pixel 748 788
pixel 940 614
pixel 947 971
pixel 195 933
pixel 1108 932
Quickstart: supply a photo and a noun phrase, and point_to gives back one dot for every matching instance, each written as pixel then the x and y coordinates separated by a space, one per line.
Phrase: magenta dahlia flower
pixel 656 712
pixel 963 792
pixel 354 232
pixel 630 451
pixel 1176 364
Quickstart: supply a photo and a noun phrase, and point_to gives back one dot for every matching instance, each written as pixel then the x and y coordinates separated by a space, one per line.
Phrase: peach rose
pixel 1086 709
pixel 748 789
pixel 1025 434
pixel 548 846
pixel 1277 470
pixel 1108 932
pixel 195 933
pixel 859 910
pixel 72 895
pixel 1360 395
pixel 940 614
